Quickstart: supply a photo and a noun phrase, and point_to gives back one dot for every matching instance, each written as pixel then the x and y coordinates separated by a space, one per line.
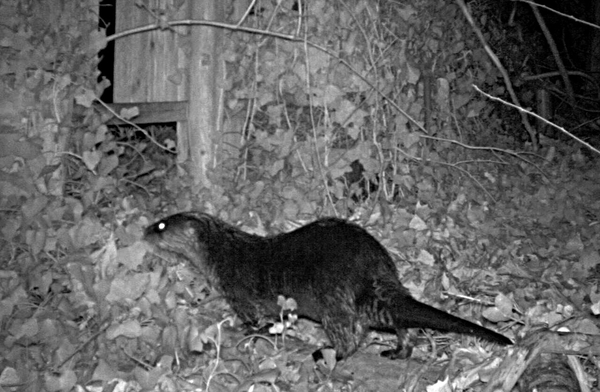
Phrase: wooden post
pixel 203 89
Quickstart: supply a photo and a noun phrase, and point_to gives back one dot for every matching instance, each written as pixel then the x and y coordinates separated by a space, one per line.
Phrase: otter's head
pixel 184 234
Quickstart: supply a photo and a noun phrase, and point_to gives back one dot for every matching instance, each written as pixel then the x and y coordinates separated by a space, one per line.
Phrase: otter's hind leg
pixel 385 308
pixel 343 324
pixel 404 348
pixel 344 331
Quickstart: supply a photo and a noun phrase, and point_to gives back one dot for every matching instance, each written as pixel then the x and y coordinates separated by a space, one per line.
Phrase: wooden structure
pixel 171 74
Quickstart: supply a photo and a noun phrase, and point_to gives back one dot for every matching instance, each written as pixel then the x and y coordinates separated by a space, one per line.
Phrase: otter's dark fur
pixel 338 274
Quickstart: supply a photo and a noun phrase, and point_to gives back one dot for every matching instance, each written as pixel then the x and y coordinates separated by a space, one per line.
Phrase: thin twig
pixel 243 18
pixel 538 117
pixel 560 13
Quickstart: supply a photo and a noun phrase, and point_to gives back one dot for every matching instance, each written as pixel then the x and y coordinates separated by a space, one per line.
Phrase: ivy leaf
pixel 494 315
pixel 286 303
pixel 129 329
pixel 329 358
pixel 195 343
pixel 91 159
pixel 85 97
pixel 504 304
pixel 128 287
pixel 277 328
pixel 107 165
pixel 50 169
pixel 589 260
pixel 317 59
pixel 9 376
pixel 98 41
pixel 36 239
pixel 63 382
pixel 27 329
pixel 129 113
pixel 586 326
pixel 132 256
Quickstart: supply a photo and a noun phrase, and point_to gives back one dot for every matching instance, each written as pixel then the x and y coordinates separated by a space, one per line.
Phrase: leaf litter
pixel 527 265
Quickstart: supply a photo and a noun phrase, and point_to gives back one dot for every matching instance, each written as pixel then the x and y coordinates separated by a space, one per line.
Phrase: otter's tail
pixel 414 314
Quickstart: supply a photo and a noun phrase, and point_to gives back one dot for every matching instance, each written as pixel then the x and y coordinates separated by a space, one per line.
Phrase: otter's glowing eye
pixel 161 226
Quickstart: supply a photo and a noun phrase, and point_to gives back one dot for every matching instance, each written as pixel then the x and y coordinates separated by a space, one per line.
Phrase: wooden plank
pixel 150 66
pixel 168 62
pixel 152 112
pixel 131 68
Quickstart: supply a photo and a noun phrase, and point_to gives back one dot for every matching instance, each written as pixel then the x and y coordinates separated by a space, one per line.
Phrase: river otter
pixel 338 274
